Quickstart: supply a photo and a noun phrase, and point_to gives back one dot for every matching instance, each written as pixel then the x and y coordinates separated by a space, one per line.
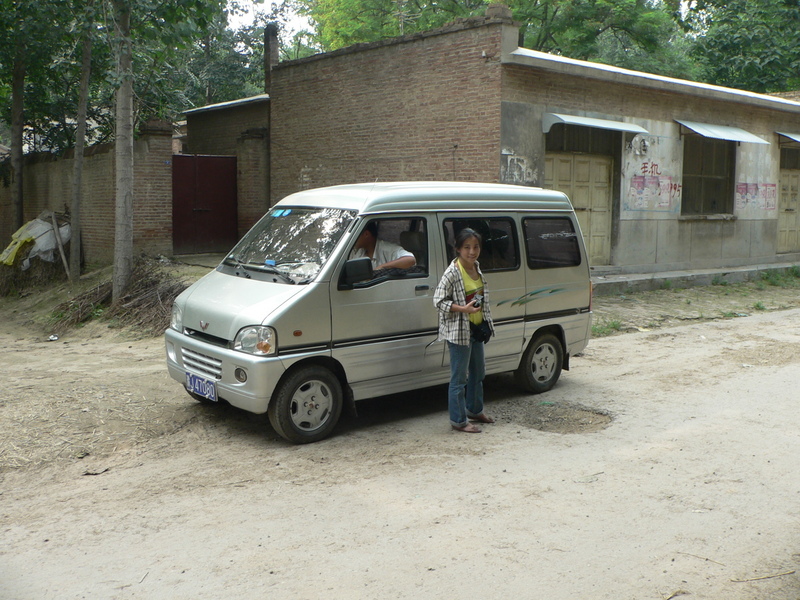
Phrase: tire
pixel 306 405
pixel 541 364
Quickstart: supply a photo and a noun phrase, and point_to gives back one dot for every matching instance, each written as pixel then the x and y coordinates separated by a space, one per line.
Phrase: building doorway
pixel 788 219
pixel 204 207
pixel 586 179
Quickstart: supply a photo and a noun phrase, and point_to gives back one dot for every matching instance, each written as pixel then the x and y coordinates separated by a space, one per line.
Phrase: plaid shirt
pixel 454 326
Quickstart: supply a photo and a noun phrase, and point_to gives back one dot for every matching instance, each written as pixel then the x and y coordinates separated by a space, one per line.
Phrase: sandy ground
pixel 663 465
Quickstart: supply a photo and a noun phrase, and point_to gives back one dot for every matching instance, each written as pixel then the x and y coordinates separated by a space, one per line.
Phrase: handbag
pixel 482 332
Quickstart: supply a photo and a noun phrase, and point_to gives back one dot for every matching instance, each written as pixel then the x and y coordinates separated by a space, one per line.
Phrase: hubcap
pixel 544 363
pixel 311 405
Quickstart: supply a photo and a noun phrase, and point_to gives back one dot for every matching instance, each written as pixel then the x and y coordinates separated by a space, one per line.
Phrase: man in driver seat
pixel 384 254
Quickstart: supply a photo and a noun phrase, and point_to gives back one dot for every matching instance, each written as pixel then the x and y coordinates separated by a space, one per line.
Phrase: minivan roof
pixel 430 195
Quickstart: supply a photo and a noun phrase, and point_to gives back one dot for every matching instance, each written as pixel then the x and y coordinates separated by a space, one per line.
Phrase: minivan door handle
pixel 421 288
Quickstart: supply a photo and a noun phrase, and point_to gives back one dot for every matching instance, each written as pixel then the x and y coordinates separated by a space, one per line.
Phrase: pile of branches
pixel 147 306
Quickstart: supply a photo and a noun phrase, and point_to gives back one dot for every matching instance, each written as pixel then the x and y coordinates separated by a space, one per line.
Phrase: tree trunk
pixel 123 222
pixel 17 124
pixel 80 137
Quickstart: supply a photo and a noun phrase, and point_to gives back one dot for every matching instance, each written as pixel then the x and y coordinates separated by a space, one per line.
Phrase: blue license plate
pixel 201 386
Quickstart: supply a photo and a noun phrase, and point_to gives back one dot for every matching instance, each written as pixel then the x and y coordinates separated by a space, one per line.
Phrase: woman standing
pixel 462 301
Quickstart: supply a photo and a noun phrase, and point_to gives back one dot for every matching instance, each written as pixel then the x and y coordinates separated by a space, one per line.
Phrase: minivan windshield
pixel 289 244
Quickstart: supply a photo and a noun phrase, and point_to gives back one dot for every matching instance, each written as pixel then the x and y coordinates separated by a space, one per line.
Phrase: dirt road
pixel 664 464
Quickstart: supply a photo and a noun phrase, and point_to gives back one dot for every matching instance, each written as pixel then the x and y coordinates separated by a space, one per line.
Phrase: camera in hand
pixel 478 300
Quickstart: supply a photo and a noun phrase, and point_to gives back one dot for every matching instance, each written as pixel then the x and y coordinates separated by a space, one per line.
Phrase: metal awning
pixel 550 119
pixel 722 132
pixel 795 137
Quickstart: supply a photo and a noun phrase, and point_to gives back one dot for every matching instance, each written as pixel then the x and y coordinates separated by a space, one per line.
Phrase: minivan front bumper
pixel 189 355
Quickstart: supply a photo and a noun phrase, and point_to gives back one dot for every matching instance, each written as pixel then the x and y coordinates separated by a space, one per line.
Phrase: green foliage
pixel 748 45
pixel 606 327
pixel 783 279
pixel 635 34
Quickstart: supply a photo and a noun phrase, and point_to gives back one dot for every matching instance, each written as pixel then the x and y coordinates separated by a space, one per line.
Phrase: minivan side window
pixel 499 250
pixel 396 237
pixel 551 243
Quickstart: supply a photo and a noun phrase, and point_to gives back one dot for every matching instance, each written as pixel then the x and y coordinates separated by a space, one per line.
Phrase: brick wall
pixel 48 186
pixel 424 107
pixel 216 131
pixel 252 178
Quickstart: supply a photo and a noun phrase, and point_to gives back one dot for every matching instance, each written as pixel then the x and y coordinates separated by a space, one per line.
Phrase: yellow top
pixel 472 287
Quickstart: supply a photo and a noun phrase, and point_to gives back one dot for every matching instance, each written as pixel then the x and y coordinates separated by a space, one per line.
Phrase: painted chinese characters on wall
pixel 651 182
pixel 652 189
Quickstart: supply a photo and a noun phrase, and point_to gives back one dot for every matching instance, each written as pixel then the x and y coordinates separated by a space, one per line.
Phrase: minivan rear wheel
pixel 306 405
pixel 541 364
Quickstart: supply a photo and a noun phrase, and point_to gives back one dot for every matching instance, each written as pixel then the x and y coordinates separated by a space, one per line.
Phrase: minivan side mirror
pixel 356 271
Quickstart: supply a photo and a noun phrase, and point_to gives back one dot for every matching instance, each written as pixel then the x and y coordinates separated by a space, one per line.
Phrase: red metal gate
pixel 204 215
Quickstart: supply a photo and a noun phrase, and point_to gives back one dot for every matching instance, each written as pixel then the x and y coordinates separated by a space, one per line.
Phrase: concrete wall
pixel 649 232
pixel 423 107
pixel 48 186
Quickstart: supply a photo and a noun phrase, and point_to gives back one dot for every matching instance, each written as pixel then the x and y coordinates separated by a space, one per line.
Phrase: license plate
pixel 201 386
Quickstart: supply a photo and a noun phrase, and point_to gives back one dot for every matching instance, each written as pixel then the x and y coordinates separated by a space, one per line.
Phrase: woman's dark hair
pixel 466 233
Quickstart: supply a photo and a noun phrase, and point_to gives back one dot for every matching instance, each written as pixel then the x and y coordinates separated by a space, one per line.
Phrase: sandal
pixel 468 428
pixel 483 418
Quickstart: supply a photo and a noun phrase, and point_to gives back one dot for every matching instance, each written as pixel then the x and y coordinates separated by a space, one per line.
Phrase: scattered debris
pixel 147 306
pixel 764 577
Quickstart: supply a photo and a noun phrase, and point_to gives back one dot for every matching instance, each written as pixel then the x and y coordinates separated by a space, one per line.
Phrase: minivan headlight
pixel 176 320
pixel 258 340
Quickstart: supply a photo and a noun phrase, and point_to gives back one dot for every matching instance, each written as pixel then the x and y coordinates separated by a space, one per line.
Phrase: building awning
pixel 722 132
pixel 795 137
pixel 550 119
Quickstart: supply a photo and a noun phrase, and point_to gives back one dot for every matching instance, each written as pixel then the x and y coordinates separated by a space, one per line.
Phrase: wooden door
pixel 586 179
pixel 204 207
pixel 788 219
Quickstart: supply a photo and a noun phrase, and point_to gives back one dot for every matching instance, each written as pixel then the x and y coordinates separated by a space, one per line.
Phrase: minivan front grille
pixel 208 338
pixel 200 363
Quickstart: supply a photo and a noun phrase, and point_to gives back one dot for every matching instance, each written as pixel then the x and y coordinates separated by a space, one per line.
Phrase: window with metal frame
pixel 708 172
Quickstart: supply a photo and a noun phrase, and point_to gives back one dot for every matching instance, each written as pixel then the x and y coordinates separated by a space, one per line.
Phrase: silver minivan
pixel 291 324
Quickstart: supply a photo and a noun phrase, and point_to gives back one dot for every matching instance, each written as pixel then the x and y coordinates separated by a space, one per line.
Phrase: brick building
pixel 665 174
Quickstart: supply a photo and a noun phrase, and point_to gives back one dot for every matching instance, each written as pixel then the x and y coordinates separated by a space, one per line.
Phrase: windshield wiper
pixel 273 271
pixel 240 264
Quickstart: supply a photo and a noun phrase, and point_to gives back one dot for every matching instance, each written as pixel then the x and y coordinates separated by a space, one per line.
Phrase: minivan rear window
pixel 551 243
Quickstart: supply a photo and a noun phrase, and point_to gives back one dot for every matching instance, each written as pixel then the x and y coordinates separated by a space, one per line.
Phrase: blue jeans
pixel 467 370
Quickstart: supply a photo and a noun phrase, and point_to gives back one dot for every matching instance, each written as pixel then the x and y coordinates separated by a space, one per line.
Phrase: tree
pixel 123 156
pixel 630 33
pixel 748 45
pixel 30 34
pixel 80 138
pixel 173 22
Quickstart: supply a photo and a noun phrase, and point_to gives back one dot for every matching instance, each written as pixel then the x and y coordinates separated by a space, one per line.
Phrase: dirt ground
pixel 664 464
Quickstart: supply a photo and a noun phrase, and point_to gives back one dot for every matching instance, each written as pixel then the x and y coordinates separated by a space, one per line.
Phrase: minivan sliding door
pixel 501 264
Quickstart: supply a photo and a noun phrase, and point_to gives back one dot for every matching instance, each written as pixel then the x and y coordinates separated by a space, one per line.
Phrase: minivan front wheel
pixel 306 405
pixel 541 364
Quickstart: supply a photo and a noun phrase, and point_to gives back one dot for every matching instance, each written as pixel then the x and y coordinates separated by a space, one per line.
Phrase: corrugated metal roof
pixel 239 102
pixel 795 137
pixel 582 68
pixel 550 119
pixel 722 132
